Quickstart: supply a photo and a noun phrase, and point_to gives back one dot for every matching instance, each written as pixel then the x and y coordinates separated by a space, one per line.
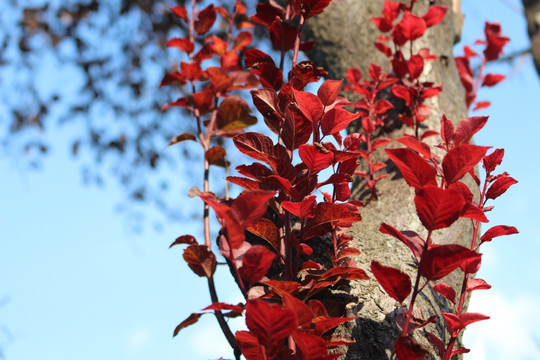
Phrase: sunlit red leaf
pixel 173 78
pixel 491 161
pixel 396 283
pixel 219 306
pixel 182 137
pixel 242 40
pixel 456 323
pixel 343 272
pixel 314 159
pixel 201 260
pixel 411 27
pixel 184 239
pixel 255 263
pixel 461 160
pixel 205 20
pixel 500 186
pixel 304 314
pixel 499 230
pixel 270 323
pixel 266 101
pixel 311 8
pixel 413 241
pixel 447 130
pixel 191 319
pixel 335 120
pixel 267 230
pixel 441 260
pixel 435 15
pixel 492 79
pixel 416 171
pixel 407 348
pixel 181 12
pixel 477 284
pixel 329 91
pixel 251 205
pixel 467 128
pixel 181 43
pixel 309 346
pixel 234 114
pixel 446 291
pixel 296 130
pixel 310 105
pixel 249 345
pixel 256 145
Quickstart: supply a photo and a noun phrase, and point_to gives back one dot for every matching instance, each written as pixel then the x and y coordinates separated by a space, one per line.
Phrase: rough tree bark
pixel 345 38
pixel 532 14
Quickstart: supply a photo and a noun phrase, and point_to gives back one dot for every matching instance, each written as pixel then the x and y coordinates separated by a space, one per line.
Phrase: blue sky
pixel 78 283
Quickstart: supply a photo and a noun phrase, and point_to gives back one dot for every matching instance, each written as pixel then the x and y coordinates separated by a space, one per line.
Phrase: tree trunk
pixel 532 14
pixel 345 38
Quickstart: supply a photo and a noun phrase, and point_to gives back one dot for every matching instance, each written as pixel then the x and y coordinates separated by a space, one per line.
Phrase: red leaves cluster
pixel 493 43
pixel 267 232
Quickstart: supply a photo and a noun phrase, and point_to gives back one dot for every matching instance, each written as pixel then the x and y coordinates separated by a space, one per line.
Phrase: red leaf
pixel 234 112
pixel 446 291
pixel 242 40
pixel 228 219
pixel 467 128
pixel 309 346
pixel 407 348
pixel 249 345
pixel 313 7
pixel 314 159
pixel 447 130
pixel 335 120
pixel 181 12
pixel 181 43
pixel 438 208
pixel 174 78
pixel 477 284
pixel 184 239
pixel 250 206
pixel 201 260
pixel 396 283
pixel 332 214
pixel 481 105
pixel 255 263
pixel 324 323
pixel 413 241
pixel 329 91
pixel 296 129
pixel 182 137
pixel 411 27
pixel 343 272
pixel 310 105
pixel 303 210
pixel 304 314
pixel 435 15
pixel 492 79
pixel 256 145
pixel 418 146
pixel 415 66
pixel 500 186
pixel 218 306
pixel 205 20
pixel 266 230
pixel 461 160
pixel 499 230
pixel 266 101
pixel 491 161
pixel 416 171
pixel 456 323
pixel 270 323
pixel 191 319
pixel 402 92
pixel 441 260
